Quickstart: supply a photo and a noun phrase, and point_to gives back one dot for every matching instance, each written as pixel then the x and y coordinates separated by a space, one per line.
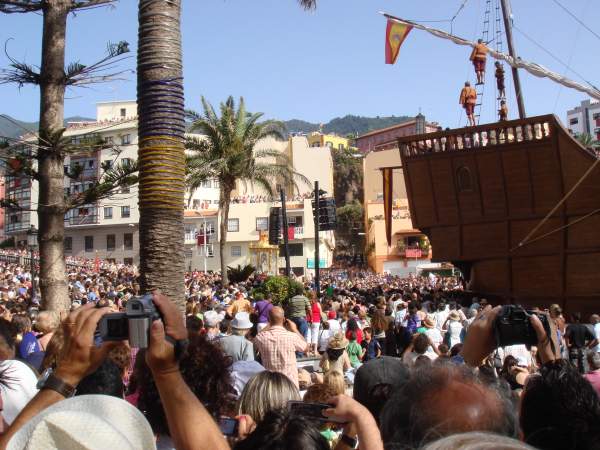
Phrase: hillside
pixel 355 125
pixel 13 128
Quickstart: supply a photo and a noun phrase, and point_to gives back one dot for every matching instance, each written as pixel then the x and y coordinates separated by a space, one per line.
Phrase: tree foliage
pixel 240 274
pixel 280 288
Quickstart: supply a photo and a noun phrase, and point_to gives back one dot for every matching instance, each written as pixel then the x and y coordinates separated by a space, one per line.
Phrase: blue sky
pixel 289 63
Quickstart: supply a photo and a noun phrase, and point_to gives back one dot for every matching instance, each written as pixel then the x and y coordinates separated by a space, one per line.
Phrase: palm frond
pixel 308 4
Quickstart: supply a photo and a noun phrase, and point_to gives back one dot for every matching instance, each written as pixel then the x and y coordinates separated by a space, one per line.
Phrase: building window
pixel 89 243
pixel 329 144
pixel 262 223
pixel 295 250
pixel 108 140
pixel 210 250
pixel 295 221
pixel 341 146
pixel 125 211
pixel 573 121
pixel 123 112
pixel 216 184
pixel 128 241
pixel 126 161
pixel 126 139
pixel 68 243
pixel 128 261
pixel 107 165
pixel 108 212
pixel 206 184
pixel 233 225
pixel 110 242
pixel 463 179
pixel 236 250
pixel 125 190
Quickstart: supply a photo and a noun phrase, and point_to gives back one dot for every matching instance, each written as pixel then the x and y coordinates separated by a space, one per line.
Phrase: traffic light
pixel 274 225
pixel 327 215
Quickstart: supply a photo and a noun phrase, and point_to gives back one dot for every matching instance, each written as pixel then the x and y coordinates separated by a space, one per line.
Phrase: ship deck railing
pixel 534 129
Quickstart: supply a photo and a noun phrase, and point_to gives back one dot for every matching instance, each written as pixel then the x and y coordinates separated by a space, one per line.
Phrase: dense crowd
pixel 372 362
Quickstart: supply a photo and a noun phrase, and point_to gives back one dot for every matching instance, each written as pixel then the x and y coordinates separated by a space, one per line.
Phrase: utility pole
pixel 317 213
pixel 511 51
pixel 205 246
pixel 285 234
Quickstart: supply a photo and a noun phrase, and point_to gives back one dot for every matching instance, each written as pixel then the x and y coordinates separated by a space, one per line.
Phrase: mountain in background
pixel 13 128
pixel 355 125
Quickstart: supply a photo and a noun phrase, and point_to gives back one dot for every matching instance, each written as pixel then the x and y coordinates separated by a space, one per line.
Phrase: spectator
pixel 477 441
pixel 297 309
pixel 212 319
pixel 593 376
pixel 370 347
pixel 26 340
pixel 314 324
pixel 237 346
pixel 579 337
pixel 336 358
pixel 46 324
pixel 355 351
pixel 267 391
pixel 409 421
pixel 106 380
pixel 336 381
pixel 240 304
pixel 262 307
pixel 277 344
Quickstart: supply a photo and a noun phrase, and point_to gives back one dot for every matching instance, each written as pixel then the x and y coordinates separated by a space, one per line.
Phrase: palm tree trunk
pixel 161 148
pixel 51 202
pixel 224 202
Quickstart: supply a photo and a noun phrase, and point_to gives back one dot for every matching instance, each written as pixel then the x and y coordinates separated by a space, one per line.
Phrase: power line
pixel 576 18
pixel 548 52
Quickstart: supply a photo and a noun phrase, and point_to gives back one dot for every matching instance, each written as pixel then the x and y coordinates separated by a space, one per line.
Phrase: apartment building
pixel 585 119
pixel 317 139
pixel 109 228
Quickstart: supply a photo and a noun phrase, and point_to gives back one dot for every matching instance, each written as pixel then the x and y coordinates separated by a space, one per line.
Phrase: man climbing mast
pixel 503 111
pixel 500 81
pixel 479 58
pixel 468 99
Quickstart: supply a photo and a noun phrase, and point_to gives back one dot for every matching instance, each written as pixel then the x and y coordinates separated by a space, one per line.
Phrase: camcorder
pixel 513 326
pixel 133 324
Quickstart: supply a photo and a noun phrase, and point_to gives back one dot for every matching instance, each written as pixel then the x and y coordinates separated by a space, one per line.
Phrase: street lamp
pixel 32 242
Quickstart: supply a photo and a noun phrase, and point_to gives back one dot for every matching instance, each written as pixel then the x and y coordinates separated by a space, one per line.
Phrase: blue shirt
pixel 28 345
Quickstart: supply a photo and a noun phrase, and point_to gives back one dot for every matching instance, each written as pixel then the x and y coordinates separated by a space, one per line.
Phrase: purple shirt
pixel 263 307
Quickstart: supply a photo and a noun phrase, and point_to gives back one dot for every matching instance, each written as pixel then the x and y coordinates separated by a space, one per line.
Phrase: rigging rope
pixel 577 19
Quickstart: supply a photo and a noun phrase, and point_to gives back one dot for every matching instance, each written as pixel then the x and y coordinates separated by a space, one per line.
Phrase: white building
pixel 108 229
pixel 585 118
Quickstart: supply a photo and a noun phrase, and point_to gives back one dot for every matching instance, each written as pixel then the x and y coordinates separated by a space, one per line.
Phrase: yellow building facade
pixel 328 140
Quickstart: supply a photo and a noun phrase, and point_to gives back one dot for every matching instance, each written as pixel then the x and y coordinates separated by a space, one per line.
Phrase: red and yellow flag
pixel 395 34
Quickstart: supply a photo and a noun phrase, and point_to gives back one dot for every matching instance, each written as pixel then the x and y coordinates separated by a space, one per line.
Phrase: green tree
pixel 587 140
pixel 347 176
pixel 350 219
pixel 228 154
pixel 53 78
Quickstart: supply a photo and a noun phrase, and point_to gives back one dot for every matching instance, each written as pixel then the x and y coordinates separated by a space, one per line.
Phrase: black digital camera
pixel 134 324
pixel 513 326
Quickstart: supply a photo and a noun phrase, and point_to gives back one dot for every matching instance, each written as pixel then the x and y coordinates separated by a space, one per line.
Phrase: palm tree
pixel 161 153
pixel 228 150
pixel 587 140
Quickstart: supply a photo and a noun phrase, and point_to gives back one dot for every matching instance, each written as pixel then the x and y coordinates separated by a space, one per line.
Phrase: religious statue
pixel 468 99
pixel 479 57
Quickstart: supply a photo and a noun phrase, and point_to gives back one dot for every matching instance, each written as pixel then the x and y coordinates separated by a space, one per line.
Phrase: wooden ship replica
pixel 515 205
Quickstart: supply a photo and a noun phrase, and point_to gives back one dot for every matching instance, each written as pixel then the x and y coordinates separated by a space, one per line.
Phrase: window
pixel 126 139
pixel 90 164
pixel 463 179
pixel 341 146
pixel 574 121
pixel 298 271
pixel 67 191
pixel 68 243
pixel 295 250
pixel 295 221
pixel 128 241
pixel 89 243
pixel 127 161
pixel 206 184
pixel 108 212
pixel 123 112
pixel 128 261
pixel 107 164
pixel 236 250
pixel 125 190
pixel 262 223
pixel 596 116
pixel 66 169
pixel 233 225
pixel 110 242
pixel 125 211
pixel 329 144
pixel 210 229
pixel 210 250
pixel 216 184
pixel 108 140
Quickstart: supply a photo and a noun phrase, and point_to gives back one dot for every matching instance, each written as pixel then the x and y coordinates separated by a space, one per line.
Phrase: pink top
pixel 594 379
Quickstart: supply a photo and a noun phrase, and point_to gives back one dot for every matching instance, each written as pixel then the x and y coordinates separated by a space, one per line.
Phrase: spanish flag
pixel 388 189
pixel 395 34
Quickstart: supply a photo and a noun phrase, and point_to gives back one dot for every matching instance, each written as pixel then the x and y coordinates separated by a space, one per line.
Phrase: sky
pixel 292 64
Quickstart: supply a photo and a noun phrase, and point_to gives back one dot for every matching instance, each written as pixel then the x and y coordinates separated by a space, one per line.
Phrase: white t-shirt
pixel 597 334
pixel 21 388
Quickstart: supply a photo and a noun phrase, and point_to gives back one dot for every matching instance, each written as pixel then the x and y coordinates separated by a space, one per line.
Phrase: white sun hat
pixel 86 422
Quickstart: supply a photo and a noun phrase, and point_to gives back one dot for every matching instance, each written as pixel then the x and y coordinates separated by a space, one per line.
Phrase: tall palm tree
pixel 161 151
pixel 228 150
pixel 587 140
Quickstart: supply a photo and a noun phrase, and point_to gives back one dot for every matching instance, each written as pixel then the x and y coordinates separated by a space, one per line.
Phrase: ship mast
pixel 511 51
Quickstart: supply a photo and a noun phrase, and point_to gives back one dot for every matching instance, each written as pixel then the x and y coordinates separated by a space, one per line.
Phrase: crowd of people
pixel 371 362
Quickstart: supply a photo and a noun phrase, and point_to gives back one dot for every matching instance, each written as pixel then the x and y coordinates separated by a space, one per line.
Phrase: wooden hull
pixel 478 192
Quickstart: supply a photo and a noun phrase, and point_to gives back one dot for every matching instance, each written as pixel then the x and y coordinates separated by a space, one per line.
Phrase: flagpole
pixel 205 247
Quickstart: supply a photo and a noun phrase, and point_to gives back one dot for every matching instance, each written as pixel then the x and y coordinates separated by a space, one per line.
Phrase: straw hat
pixel 428 323
pixel 85 422
pixel 453 315
pixel 338 342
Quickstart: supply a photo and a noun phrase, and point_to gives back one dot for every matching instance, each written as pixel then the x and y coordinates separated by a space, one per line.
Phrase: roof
pixel 383 130
pixel 191 213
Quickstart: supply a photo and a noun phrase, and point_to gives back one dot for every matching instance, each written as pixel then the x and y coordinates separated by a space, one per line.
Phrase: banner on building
pixel 388 189
pixel 395 34
pixel 291 232
pixel 413 253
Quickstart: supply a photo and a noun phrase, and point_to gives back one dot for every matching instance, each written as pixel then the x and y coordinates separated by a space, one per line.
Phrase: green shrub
pixel 240 274
pixel 280 288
